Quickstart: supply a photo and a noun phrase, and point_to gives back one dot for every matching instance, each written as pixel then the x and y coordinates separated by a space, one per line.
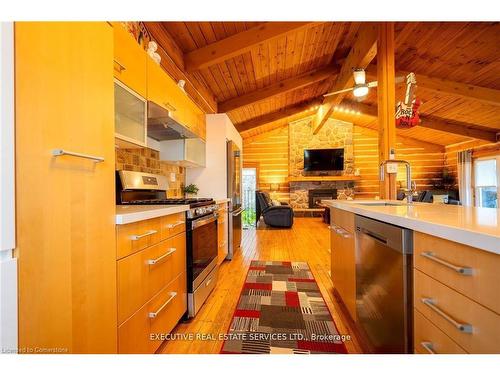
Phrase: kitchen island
pixel 452 264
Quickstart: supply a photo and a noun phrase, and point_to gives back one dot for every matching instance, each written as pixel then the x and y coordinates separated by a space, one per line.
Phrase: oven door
pixel 203 257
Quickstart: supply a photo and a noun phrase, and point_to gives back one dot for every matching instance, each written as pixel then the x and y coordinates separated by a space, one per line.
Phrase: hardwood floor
pixel 307 241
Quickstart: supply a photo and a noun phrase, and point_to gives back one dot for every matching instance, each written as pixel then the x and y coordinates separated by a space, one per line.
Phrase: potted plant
pixel 191 190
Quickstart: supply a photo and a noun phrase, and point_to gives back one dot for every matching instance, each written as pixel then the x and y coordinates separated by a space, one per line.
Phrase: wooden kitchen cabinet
pixel 343 259
pixel 151 274
pixel 129 60
pixel 164 91
pixel 65 206
pixel 222 234
pixel 455 290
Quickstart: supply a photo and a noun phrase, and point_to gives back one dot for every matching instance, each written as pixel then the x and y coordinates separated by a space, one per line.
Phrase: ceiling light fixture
pixel 360 90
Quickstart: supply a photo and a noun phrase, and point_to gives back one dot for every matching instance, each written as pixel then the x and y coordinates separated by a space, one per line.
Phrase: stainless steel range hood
pixel 162 127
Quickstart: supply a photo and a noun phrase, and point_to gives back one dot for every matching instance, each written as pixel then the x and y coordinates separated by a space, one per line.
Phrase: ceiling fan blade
pixel 338 92
pixel 372 84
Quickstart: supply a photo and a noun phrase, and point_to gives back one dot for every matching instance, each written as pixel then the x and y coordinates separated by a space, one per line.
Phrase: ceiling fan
pixel 360 88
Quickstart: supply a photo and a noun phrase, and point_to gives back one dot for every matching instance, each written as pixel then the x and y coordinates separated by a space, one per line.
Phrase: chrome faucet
pixel 411 187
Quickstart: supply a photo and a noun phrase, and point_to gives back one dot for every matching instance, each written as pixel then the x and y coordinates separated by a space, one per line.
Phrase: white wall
pixel 212 180
pixel 8 264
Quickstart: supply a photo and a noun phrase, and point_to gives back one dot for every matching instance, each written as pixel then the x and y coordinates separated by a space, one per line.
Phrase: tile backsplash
pixel 148 160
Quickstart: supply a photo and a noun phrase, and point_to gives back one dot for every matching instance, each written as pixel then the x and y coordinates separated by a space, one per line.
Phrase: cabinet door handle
pixel 153 315
pixel 121 67
pixel 208 282
pixel 172 226
pixel 170 107
pixel 462 327
pixel 428 346
pixel 164 256
pixel 61 152
pixel 466 271
pixel 136 237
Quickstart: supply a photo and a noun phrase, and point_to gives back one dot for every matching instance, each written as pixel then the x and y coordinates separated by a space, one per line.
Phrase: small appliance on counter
pixel 138 188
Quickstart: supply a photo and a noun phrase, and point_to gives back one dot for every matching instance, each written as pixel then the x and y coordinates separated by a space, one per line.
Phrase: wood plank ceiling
pixel 284 69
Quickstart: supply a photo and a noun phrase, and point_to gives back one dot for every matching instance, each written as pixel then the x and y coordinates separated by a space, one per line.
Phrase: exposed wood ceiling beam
pixel 462 90
pixel 172 60
pixel 409 141
pixel 252 138
pixel 361 54
pixel 240 43
pixel 437 123
pixel 278 88
pixel 305 107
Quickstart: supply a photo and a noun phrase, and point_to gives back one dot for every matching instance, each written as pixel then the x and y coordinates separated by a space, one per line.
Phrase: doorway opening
pixel 249 187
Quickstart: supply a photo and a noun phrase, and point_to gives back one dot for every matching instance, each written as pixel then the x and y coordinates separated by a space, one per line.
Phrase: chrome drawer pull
pixel 136 237
pixel 467 271
pixel 462 327
pixel 172 226
pixel 121 67
pixel 428 346
pixel 164 256
pixel 61 152
pixel 153 315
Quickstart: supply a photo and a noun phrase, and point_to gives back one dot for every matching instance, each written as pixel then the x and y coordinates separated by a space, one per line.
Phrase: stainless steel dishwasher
pixel 384 287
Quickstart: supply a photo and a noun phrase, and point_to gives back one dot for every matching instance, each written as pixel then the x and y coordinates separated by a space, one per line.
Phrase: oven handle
pixel 204 220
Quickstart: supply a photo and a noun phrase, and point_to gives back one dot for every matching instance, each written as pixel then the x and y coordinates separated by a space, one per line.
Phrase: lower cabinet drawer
pixel 145 273
pixel 474 327
pixel 471 272
pixel 173 224
pixel 428 339
pixel 159 316
pixel 133 237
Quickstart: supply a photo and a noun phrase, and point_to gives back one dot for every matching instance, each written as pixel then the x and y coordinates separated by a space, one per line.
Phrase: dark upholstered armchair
pixel 274 215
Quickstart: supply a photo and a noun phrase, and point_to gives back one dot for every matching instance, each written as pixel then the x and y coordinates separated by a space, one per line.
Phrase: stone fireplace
pixel 316 195
pixel 334 134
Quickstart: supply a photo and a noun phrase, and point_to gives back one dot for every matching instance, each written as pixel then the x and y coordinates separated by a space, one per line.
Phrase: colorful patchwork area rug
pixel 281 310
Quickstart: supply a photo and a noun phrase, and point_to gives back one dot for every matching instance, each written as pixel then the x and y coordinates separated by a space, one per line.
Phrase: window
pixel 486 181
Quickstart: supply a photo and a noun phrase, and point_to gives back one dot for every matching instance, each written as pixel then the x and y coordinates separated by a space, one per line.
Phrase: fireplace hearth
pixel 316 195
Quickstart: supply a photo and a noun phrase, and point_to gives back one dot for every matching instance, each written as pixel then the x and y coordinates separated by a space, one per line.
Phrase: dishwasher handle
pixel 375 236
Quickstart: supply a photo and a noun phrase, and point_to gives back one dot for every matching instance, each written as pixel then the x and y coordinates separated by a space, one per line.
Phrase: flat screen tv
pixel 327 159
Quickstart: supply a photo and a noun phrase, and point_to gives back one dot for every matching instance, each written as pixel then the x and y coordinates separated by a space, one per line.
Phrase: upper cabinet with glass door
pixel 130 117
pixel 130 89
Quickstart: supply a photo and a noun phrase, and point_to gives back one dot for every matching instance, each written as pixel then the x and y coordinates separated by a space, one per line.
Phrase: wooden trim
pixel 239 43
pixel 307 107
pixel 362 53
pixel 172 61
pixel 278 88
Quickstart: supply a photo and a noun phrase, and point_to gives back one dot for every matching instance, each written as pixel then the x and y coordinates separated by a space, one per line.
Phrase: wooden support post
pixel 386 104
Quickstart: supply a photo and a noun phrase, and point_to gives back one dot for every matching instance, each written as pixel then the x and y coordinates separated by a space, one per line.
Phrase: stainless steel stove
pixel 138 188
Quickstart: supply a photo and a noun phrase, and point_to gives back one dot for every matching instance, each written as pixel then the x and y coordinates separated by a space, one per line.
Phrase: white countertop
pixel 473 226
pixel 130 214
pixel 221 200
